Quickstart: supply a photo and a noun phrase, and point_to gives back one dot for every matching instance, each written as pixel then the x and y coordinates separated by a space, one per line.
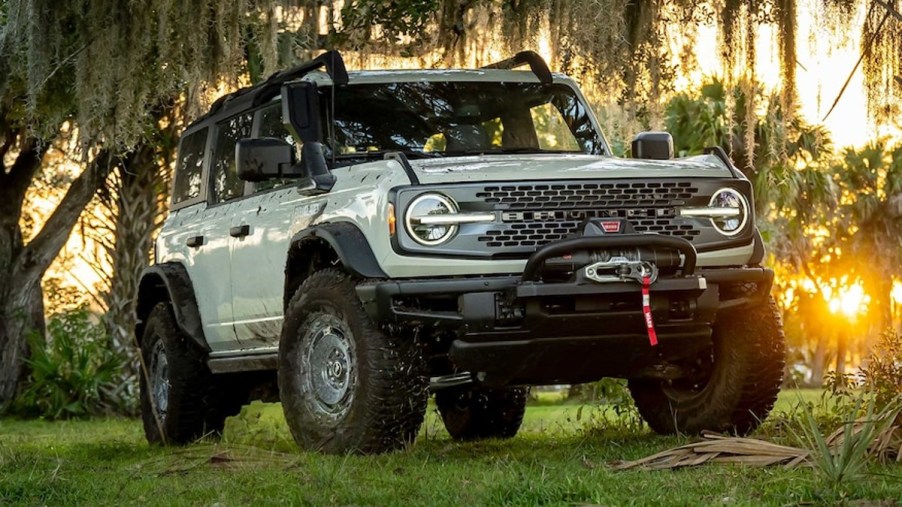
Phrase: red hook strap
pixel 646 311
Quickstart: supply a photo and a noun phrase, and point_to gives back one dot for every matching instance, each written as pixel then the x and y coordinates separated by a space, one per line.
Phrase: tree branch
pixel 17 180
pixel 893 12
pixel 38 254
pixel 867 49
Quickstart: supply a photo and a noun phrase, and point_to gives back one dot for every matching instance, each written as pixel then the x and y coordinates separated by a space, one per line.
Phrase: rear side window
pixel 226 184
pixel 189 171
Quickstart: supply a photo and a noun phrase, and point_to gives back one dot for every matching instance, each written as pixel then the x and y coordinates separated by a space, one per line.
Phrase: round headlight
pixel 728 199
pixel 418 226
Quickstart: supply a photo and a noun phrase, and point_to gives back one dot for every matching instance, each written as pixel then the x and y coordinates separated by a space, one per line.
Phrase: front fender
pixel 349 244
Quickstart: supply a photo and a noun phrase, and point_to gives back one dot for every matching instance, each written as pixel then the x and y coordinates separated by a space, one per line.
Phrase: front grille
pixel 534 215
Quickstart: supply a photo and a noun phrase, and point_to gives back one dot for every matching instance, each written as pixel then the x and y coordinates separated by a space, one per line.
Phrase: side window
pixel 271 126
pixel 226 184
pixel 189 170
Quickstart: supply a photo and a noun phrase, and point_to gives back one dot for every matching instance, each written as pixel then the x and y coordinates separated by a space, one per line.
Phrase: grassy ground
pixel 559 458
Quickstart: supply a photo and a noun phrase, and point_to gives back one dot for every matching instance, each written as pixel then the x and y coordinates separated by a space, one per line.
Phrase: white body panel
pixel 258 264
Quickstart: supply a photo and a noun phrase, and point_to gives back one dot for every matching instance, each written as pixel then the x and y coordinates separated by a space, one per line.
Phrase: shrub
pixel 74 372
pixel 846 454
pixel 883 374
pixel 610 405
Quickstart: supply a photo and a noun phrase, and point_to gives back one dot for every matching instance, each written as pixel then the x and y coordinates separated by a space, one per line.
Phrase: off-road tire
pixel 198 403
pixel 480 413
pixel 384 402
pixel 741 388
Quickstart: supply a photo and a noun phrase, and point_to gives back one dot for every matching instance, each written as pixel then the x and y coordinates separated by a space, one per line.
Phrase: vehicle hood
pixel 563 167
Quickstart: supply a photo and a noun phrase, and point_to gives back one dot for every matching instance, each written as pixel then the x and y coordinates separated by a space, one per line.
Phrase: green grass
pixel 557 459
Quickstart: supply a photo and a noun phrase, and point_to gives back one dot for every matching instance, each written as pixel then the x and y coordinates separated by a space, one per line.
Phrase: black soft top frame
pixel 536 64
pixel 253 96
pixel 334 65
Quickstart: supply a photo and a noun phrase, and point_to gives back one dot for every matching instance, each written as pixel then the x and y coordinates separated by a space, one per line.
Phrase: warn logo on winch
pixel 610 226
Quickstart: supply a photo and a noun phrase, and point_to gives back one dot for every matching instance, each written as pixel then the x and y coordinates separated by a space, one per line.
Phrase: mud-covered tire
pixel 345 386
pixel 480 413
pixel 741 387
pixel 181 401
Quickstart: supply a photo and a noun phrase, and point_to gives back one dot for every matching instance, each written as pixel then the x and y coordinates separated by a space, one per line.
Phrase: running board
pixel 254 362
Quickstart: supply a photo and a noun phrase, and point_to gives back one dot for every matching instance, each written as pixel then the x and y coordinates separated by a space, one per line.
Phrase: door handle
pixel 239 231
pixel 195 241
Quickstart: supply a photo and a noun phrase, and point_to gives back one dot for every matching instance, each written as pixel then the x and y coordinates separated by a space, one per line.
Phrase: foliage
pixel 845 455
pixel 697 121
pixel 870 217
pixel 880 378
pixel 75 373
pixel 404 18
pixel 882 375
pixel 609 405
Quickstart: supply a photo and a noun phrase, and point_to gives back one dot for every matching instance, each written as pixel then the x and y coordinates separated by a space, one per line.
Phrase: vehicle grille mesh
pixel 534 215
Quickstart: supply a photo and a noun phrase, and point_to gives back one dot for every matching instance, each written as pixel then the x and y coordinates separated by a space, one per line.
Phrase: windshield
pixel 458 118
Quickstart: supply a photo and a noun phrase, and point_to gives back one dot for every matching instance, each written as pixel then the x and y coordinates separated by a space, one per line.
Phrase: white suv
pixel 374 236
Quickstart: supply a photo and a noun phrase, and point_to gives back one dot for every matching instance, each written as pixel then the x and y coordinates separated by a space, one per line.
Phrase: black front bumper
pixel 521 330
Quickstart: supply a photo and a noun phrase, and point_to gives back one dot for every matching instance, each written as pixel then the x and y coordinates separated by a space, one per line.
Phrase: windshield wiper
pixel 382 153
pixel 502 151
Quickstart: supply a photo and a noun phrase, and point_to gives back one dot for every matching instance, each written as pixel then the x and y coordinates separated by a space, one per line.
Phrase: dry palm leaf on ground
pixel 886 446
pixel 715 448
pixel 720 449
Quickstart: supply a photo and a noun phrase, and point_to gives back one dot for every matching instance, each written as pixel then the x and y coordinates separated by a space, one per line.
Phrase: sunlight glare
pixel 896 294
pixel 849 300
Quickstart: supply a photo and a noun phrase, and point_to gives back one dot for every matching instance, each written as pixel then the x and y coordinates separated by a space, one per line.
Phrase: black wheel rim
pixel 159 380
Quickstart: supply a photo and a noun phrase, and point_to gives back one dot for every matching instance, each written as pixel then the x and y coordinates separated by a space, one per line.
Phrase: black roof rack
pixel 262 92
pixel 536 64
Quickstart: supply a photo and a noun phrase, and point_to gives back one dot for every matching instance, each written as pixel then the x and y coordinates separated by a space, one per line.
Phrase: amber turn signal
pixel 392 221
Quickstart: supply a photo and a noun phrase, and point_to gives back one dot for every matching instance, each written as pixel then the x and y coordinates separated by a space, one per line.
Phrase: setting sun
pixel 849 300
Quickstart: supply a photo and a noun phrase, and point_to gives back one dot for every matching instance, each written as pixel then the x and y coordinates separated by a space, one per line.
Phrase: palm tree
pixel 870 218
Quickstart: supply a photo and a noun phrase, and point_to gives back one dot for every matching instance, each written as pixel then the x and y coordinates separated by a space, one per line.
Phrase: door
pixel 213 261
pixel 263 225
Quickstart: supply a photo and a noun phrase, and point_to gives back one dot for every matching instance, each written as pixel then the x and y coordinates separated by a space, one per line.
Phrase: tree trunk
pixel 21 308
pixel 819 362
pixel 136 211
pixel 22 266
pixel 21 316
pixel 841 351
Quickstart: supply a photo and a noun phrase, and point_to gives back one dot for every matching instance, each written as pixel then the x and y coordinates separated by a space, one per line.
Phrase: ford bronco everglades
pixel 349 242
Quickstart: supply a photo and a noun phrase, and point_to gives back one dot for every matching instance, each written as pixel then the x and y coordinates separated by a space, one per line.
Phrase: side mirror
pixel 300 111
pixel 653 145
pixel 265 158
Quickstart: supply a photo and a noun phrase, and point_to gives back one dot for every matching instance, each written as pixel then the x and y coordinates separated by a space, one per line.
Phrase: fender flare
pixel 170 281
pixel 759 250
pixel 348 242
